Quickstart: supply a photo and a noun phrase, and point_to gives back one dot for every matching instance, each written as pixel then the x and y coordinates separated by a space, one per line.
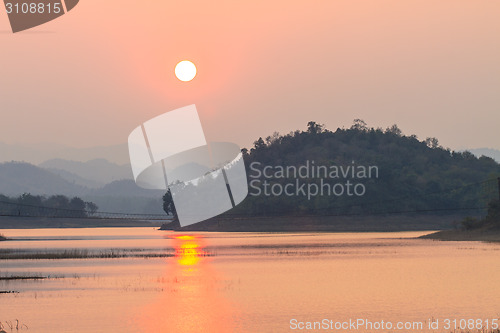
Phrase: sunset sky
pixel 91 76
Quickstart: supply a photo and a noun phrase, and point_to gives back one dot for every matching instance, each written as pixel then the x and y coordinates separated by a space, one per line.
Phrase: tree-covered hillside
pixel 412 175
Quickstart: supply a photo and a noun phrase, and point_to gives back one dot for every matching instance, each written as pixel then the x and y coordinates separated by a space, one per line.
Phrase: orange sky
pixel 93 75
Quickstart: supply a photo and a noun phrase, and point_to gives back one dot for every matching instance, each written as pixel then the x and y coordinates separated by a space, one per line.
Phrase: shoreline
pixel 44 223
pixel 253 224
pixel 321 224
pixel 438 228
pixel 487 235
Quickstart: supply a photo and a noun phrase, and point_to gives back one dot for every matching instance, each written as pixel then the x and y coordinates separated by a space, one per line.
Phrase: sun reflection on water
pixel 188 252
pixel 190 300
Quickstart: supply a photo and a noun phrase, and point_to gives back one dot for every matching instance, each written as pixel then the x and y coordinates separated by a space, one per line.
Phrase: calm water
pixel 243 282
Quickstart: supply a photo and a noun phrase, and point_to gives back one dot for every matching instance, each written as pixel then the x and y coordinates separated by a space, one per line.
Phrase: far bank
pixel 472 229
pixel 8 222
pixel 491 235
pixel 414 222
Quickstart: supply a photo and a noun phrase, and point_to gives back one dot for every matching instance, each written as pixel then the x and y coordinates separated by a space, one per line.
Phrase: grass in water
pixel 22 277
pixel 13 254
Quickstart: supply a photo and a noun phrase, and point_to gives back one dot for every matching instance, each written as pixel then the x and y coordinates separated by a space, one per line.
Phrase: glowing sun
pixel 185 70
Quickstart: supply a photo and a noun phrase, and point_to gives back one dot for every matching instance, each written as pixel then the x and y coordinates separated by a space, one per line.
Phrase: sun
pixel 185 70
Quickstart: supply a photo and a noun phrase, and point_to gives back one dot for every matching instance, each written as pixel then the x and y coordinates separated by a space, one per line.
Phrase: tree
pixel 57 201
pixel 394 129
pixel 29 204
pixel 494 212
pixel 59 204
pixel 54 206
pixel 259 144
pixel 91 208
pixel 168 205
pixel 359 125
pixel 273 139
pixel 169 208
pixel 314 128
pixel 432 143
pixel 77 206
pixel 29 199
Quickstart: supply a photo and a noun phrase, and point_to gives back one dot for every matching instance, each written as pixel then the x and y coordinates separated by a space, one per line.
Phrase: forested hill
pixel 408 174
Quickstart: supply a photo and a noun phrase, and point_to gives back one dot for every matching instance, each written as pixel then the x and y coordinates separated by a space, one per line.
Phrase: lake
pixel 146 280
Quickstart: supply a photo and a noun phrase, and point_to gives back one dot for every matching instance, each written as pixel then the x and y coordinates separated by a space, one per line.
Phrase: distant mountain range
pixel 38 153
pixel 18 177
pixel 108 185
pixel 493 153
pixel 93 174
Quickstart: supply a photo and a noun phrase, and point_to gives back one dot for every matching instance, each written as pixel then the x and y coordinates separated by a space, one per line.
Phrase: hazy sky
pixel 93 75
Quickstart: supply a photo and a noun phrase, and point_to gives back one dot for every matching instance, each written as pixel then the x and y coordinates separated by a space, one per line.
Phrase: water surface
pixel 242 282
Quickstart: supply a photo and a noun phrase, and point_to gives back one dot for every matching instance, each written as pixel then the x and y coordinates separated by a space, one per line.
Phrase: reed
pixel 22 277
pixel 12 254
